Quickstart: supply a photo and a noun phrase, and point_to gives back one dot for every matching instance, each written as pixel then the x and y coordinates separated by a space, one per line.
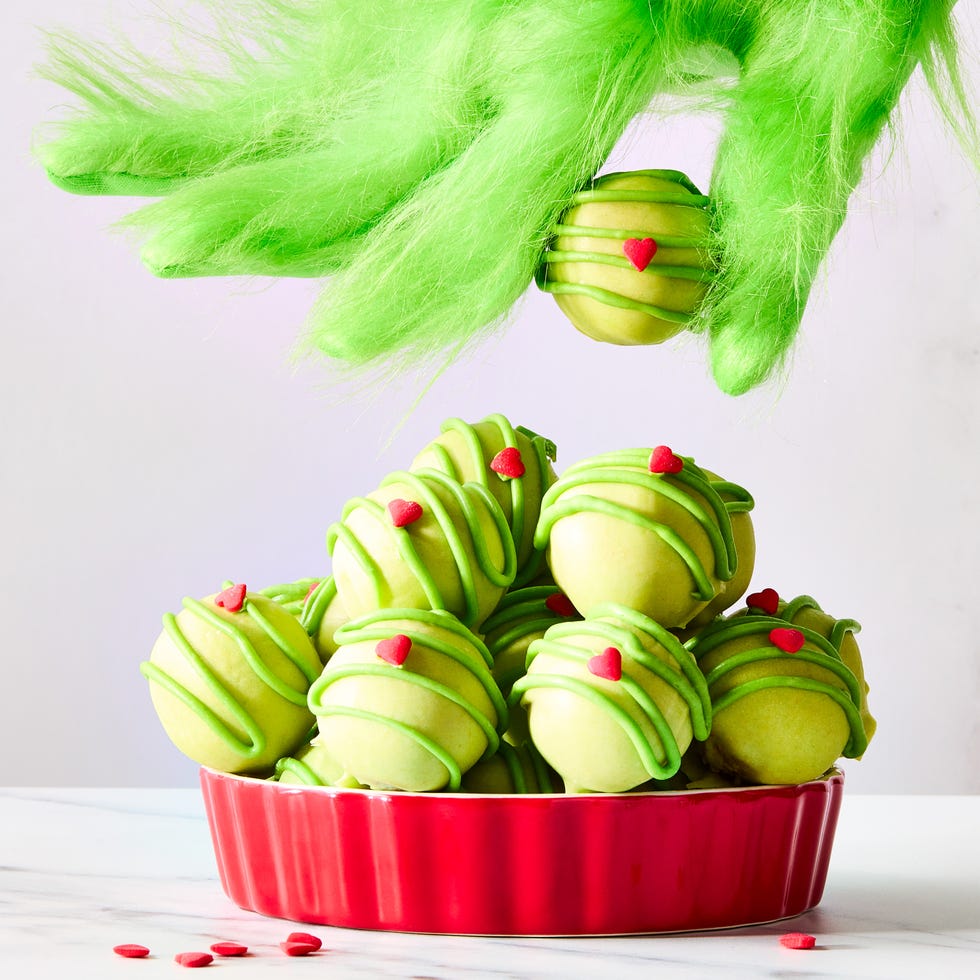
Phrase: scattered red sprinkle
pixel 310 590
pixel 608 664
pixel 305 937
pixel 508 463
pixel 298 949
pixel 229 949
pixel 788 640
pixel 766 601
pixel 404 512
pixel 663 460
pixel 232 598
pixel 797 940
pixel 131 950
pixel 560 604
pixel 194 959
pixel 640 251
pixel 395 649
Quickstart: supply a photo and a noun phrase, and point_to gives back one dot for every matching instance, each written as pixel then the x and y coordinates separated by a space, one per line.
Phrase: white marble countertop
pixel 82 870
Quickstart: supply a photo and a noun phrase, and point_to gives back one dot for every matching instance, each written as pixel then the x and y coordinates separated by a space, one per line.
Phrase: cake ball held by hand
pixel 630 262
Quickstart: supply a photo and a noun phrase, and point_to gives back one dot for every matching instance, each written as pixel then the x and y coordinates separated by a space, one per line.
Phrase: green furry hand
pixel 417 153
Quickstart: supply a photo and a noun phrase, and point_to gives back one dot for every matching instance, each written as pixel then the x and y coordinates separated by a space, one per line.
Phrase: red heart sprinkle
pixel 663 460
pixel 404 512
pixel 560 604
pixel 797 940
pixel 229 949
pixel 766 601
pixel 310 590
pixel 304 937
pixel 298 949
pixel 232 598
pixel 194 959
pixel 508 463
pixel 608 664
pixel 394 650
pixel 131 950
pixel 640 252
pixel 788 640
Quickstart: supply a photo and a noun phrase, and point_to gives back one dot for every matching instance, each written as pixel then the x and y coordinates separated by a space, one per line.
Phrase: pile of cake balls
pixel 491 627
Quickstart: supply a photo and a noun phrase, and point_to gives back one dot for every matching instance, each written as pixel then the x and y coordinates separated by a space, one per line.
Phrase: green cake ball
pixel 423 541
pixel 408 702
pixel 313 765
pixel 522 617
pixel 840 633
pixel 513 464
pixel 785 705
pixel 612 701
pixel 322 615
pixel 229 676
pixel 630 261
pixel 290 595
pixel 513 769
pixel 738 503
pixel 643 528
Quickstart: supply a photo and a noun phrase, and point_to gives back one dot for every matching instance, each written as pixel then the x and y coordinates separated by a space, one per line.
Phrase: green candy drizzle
pixel 618 234
pixel 514 768
pixel 838 631
pixel 290 595
pixel 295 656
pixel 694 273
pixel 542 771
pixel 675 176
pixel 300 770
pixel 512 759
pixel 609 298
pixel 316 604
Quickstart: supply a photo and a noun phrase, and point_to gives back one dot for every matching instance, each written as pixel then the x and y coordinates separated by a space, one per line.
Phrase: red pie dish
pixel 536 865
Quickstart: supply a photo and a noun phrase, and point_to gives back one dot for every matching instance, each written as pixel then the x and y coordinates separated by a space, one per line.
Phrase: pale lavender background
pixel 157 440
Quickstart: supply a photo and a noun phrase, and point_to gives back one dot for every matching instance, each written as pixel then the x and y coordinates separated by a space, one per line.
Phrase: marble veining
pixel 84 869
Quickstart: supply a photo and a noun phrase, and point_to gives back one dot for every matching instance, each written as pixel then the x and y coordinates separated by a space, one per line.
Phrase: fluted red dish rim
pixel 836 774
pixel 659 861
